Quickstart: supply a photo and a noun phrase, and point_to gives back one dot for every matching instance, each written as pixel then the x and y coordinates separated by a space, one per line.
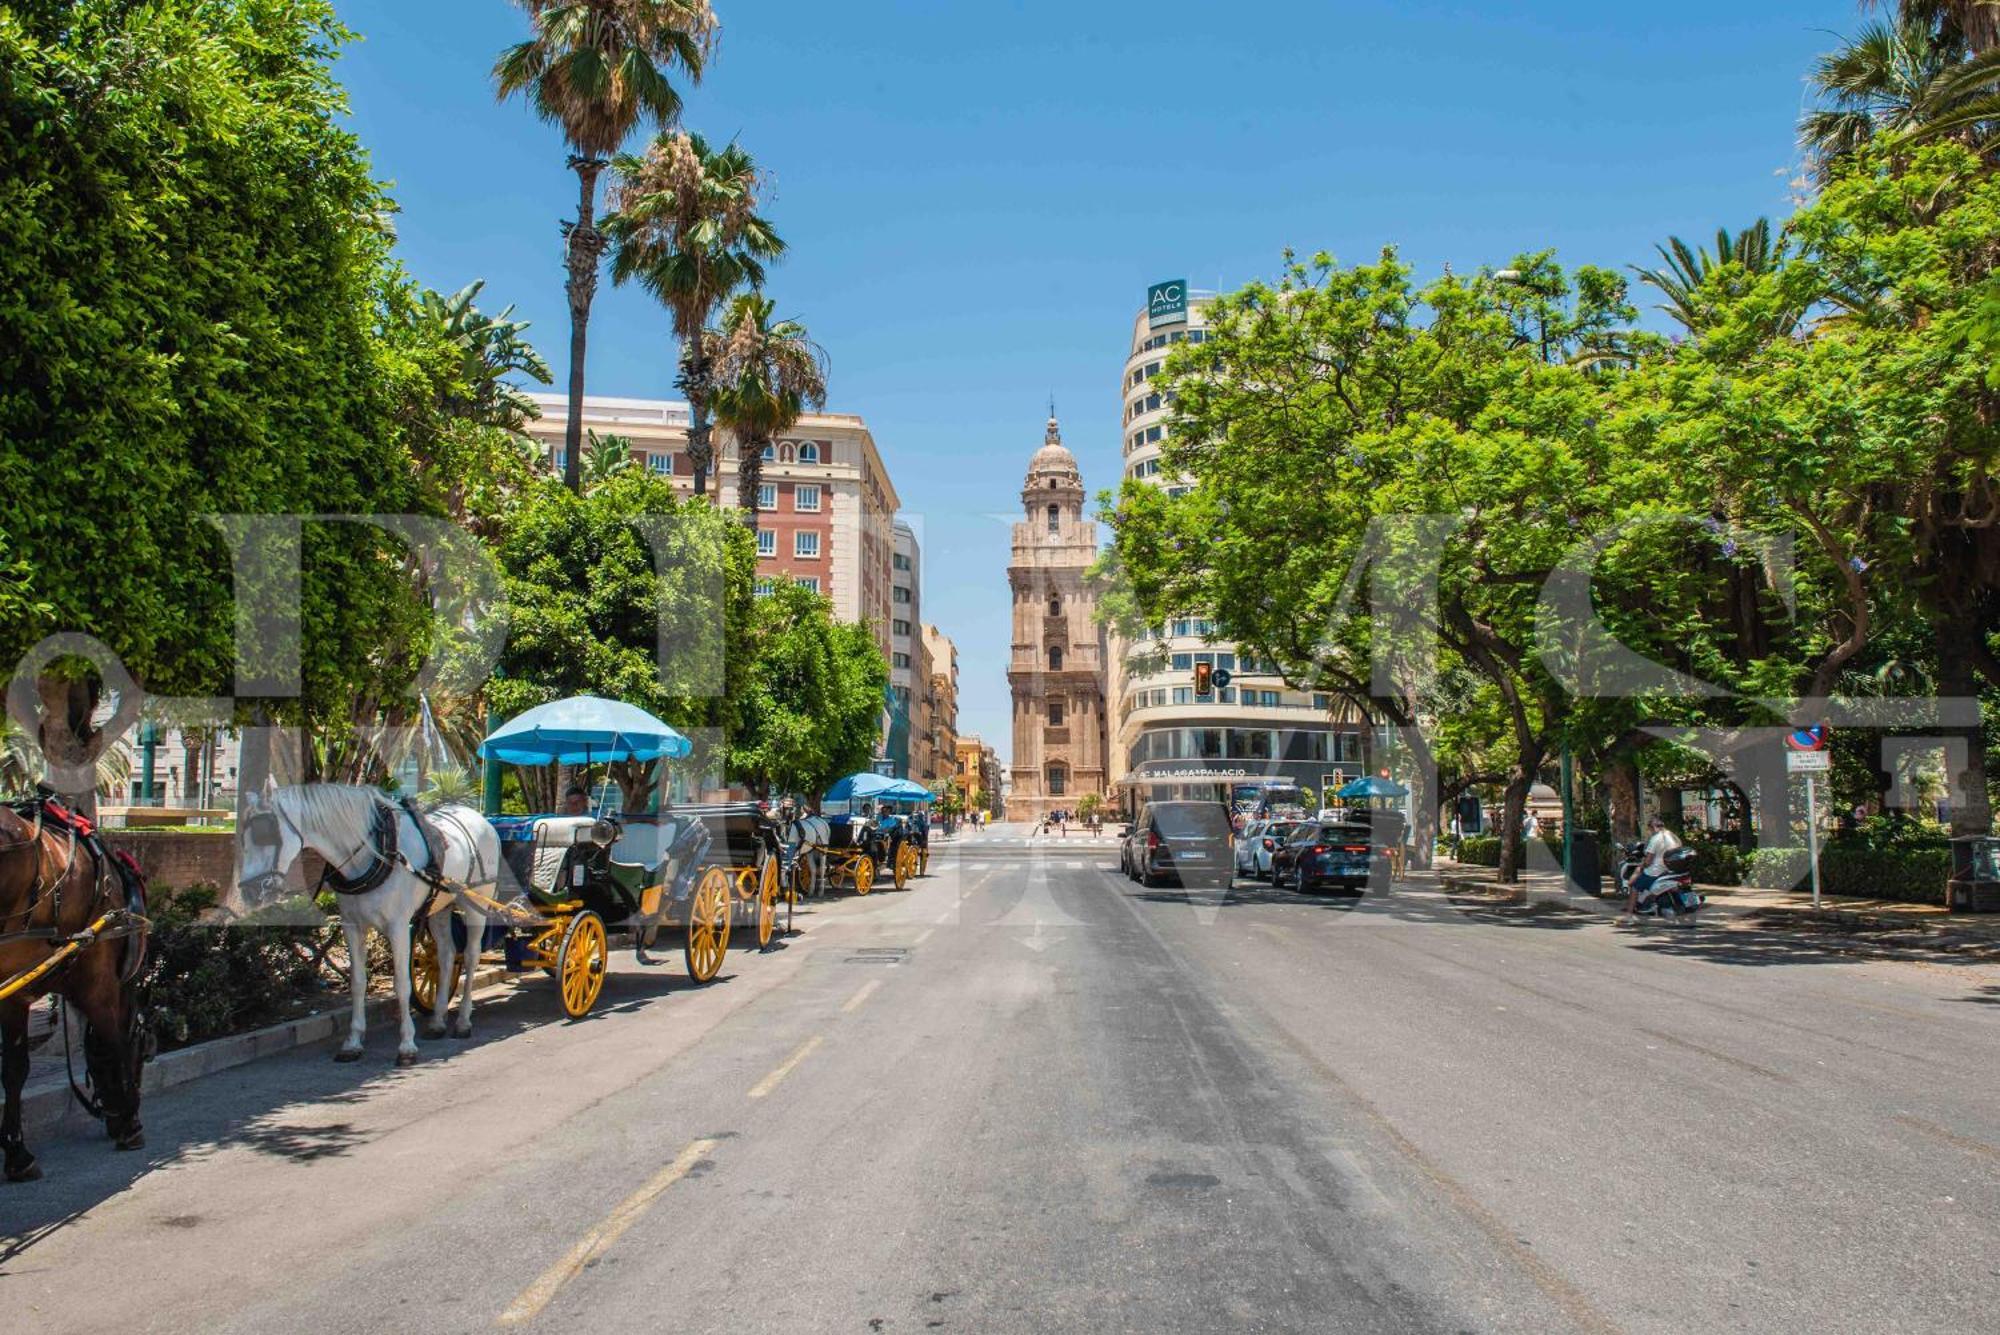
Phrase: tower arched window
pixel 1055 519
pixel 809 453
pixel 1055 604
pixel 1055 658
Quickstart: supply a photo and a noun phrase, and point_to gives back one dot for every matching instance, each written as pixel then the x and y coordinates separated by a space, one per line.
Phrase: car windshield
pixel 1343 834
pixel 1183 819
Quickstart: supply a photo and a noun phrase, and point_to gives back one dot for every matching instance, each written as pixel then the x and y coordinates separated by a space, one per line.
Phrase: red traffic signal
pixel 1204 678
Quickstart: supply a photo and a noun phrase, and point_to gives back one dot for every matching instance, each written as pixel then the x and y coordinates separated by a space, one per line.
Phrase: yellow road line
pixel 867 991
pixel 599 1240
pixel 770 1082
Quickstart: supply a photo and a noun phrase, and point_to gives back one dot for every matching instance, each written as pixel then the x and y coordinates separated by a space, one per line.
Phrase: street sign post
pixel 1805 753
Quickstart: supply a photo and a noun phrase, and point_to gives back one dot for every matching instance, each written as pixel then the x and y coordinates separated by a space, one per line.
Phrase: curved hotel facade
pixel 1165 740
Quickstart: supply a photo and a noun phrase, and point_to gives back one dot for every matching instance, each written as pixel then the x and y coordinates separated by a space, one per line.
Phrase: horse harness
pixel 124 920
pixel 385 853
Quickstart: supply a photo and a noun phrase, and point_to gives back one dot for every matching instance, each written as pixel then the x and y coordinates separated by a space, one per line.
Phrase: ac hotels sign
pixel 1166 303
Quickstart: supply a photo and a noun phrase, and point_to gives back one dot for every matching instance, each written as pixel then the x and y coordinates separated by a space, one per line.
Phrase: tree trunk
pixel 1971 808
pixel 585 246
pixel 695 383
pixel 69 740
pixel 1979 20
pixel 1514 806
pixel 749 477
pixel 1621 783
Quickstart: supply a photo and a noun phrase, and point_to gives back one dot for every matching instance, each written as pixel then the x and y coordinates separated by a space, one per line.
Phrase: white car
pixel 1270 834
pixel 1247 843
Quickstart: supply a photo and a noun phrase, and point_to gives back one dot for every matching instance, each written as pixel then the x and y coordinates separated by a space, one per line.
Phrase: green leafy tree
pixel 768 372
pixel 196 277
pixel 813 693
pixel 1909 78
pixel 687 228
pixel 631 593
pixel 596 69
pixel 1689 276
pixel 605 457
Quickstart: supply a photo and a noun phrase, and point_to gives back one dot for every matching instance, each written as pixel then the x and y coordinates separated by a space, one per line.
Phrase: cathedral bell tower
pixel 1057 671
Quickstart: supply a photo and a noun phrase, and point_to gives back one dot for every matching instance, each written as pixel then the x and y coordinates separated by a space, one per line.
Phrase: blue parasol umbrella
pixel 582 730
pixel 866 784
pixel 1374 786
pixel 908 790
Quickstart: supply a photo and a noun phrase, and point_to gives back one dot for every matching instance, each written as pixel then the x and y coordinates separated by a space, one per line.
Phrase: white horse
pixel 341 823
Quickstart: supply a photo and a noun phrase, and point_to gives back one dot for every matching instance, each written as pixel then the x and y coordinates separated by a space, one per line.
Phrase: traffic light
pixel 1204 678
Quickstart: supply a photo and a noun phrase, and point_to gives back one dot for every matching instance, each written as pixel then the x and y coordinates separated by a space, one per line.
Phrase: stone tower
pixel 1057 673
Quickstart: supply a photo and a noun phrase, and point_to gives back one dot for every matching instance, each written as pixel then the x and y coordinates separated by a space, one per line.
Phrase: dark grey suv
pixel 1182 842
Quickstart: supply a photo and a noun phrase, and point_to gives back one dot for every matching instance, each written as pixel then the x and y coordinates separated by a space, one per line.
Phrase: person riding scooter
pixel 1651 868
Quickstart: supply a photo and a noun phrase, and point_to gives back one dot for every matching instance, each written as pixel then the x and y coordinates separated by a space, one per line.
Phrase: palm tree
pixel 1688 270
pixel 1977 22
pixel 490 348
pixel 605 457
pixel 1911 78
pixel 686 226
pixel 766 374
pixel 596 68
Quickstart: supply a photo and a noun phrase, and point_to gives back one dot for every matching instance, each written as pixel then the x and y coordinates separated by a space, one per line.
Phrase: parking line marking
pixel 598 1240
pixel 770 1082
pixel 867 991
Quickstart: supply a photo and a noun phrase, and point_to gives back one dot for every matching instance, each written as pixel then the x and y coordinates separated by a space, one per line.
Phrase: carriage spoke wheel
pixel 906 866
pixel 424 970
pixel 581 968
pixel 864 874
pixel 708 926
pixel 767 903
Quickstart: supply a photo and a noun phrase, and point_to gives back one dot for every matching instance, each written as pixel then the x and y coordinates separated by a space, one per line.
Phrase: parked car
pixel 1247 841
pixel 1325 853
pixel 1184 842
pixel 1265 847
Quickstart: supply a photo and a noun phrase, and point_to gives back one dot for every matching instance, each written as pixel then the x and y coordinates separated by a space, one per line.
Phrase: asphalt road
pixel 1028 1095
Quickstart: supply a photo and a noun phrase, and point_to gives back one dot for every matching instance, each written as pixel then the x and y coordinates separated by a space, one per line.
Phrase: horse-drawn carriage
pixel 865 836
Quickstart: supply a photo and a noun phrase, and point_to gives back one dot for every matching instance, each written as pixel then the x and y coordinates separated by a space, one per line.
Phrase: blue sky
pixel 977 194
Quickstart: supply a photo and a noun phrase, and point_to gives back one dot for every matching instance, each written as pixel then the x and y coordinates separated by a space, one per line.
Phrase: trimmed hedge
pixel 1483 850
pixel 1914 875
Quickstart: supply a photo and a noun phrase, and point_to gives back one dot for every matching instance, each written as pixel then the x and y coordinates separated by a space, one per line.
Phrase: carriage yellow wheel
pixel 906 865
pixel 424 970
pixel 864 874
pixel 580 964
pixel 767 904
pixel 708 926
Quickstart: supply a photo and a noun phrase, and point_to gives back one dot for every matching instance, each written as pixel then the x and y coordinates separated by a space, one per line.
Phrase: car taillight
pixel 1152 838
pixel 1354 848
pixel 1317 848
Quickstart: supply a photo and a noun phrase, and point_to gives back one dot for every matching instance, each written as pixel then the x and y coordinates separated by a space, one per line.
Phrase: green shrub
pixel 1914 873
pixel 203 981
pixel 1480 850
pixel 1717 862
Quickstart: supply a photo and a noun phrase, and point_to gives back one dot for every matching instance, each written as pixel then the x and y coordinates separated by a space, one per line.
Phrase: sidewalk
pixel 1742 901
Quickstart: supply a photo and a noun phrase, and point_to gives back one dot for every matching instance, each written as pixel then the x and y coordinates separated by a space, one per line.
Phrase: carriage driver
pixel 575 801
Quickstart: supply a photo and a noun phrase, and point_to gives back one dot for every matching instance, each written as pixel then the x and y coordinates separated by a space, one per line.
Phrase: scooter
pixel 1670 898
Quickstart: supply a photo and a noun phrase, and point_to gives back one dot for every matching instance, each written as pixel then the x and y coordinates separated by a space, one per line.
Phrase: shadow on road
pixel 259 1107
pixel 1802 942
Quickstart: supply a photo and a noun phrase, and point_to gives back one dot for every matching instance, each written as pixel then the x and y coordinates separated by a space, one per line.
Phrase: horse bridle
pixel 266 830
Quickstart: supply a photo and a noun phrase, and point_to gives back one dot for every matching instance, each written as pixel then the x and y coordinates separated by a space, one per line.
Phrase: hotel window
pixel 1183 662
pixel 809 452
pixel 767 496
pixel 900 627
pixel 660 463
pixel 900 660
pixel 805 497
pixel 1183 695
pixel 770 454
pixel 805 544
pixel 900 561
pixel 810 583
pixel 1153 433
pixel 767 542
pixel 764 587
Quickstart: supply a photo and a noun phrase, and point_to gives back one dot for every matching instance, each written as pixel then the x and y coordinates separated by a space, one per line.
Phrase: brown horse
pixel 60 888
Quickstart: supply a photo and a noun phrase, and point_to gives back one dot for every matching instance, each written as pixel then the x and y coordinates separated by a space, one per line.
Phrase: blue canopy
pixel 866 784
pixel 908 790
pixel 1373 786
pixel 581 730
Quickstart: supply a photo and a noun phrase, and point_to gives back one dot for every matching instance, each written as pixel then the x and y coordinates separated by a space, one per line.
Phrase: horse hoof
pixel 28 1172
pixel 348 1055
pixel 434 1031
pixel 461 1031
pixel 406 1059
pixel 134 1139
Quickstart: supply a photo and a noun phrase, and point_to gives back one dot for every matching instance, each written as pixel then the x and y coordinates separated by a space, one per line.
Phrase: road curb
pixel 47 1107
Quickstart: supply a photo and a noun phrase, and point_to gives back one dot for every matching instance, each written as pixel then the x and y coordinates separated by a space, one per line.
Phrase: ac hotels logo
pixel 1166 302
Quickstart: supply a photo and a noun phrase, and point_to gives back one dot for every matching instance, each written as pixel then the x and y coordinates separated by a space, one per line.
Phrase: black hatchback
pixel 1185 842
